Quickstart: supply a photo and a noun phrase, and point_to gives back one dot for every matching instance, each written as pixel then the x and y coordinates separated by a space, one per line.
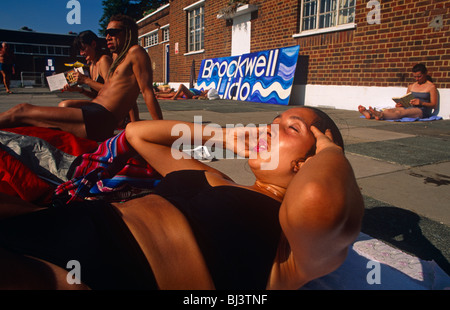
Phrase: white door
pixel 241 32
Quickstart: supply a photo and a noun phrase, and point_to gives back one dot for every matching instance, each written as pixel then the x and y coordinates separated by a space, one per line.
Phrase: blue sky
pixel 49 15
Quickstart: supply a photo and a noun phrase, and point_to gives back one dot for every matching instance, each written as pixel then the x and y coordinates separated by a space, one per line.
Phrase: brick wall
pixel 156 52
pixel 274 24
pixel 383 54
pixel 369 55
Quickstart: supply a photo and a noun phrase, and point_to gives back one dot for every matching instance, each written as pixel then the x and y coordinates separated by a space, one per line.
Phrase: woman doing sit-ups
pixel 199 229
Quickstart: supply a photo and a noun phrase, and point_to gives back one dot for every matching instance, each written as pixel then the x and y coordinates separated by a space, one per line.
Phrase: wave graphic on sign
pixel 291 51
pixel 276 87
pixel 204 86
pixel 285 72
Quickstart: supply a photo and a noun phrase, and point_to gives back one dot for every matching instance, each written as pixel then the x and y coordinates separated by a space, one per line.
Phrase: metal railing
pixel 28 78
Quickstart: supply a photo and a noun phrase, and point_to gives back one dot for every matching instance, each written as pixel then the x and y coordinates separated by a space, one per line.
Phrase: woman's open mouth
pixel 261 146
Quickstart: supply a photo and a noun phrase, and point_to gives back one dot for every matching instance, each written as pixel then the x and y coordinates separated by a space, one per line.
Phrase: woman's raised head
pixel 289 142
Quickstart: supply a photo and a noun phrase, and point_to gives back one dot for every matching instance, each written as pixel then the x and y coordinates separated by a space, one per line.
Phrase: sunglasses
pixel 113 31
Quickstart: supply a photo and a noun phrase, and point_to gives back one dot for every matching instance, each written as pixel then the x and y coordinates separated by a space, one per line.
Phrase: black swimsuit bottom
pixel 92 233
pixel 100 123
pixel 236 229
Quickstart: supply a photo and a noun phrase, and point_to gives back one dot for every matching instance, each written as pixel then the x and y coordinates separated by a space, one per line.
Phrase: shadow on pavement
pixel 407 231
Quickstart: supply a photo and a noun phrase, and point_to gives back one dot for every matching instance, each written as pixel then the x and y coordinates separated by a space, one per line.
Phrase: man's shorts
pixel 100 123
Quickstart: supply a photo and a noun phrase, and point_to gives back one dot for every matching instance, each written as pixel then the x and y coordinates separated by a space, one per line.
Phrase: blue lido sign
pixel 265 76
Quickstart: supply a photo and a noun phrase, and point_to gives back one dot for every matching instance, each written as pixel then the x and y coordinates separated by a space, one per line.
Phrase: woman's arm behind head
pixel 322 211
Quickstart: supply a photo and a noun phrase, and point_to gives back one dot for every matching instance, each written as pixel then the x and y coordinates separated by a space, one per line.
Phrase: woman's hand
pixel 323 141
pixel 69 88
pixel 80 78
pixel 242 140
pixel 415 102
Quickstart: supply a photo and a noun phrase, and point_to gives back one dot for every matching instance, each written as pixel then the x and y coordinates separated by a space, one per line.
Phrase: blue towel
pixel 417 119
pixel 413 119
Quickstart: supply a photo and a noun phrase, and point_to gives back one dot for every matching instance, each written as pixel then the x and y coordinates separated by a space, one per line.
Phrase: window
pixel 320 14
pixel 40 49
pixel 165 34
pixel 196 29
pixel 151 39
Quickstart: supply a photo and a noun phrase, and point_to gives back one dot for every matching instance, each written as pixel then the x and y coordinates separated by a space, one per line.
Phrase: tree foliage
pixel 137 9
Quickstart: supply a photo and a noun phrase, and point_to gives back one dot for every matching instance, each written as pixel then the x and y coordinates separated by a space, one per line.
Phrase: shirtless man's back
pixel 132 74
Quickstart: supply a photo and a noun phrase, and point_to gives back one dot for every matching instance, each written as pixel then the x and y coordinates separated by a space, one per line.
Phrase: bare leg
pixel 66 119
pixel 396 113
pixel 5 81
pixel 183 90
pixel 364 112
pixel 73 103
pixel 378 115
pixel 165 95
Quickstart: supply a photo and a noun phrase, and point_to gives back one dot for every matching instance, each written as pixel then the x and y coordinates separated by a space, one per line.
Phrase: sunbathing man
pixel 130 74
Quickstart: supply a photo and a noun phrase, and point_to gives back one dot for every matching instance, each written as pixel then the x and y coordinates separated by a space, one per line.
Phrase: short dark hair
pixel 420 68
pixel 87 37
pixel 323 123
pixel 326 122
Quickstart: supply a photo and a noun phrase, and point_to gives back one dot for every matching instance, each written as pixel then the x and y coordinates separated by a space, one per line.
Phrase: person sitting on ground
pixel 183 92
pixel 425 99
pixel 199 229
pixel 99 62
pixel 129 74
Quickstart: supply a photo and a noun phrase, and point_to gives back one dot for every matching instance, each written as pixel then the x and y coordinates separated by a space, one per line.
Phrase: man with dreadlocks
pixel 130 74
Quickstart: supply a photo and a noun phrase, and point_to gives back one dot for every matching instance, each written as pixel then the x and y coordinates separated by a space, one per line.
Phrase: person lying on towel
pixel 198 229
pixel 183 92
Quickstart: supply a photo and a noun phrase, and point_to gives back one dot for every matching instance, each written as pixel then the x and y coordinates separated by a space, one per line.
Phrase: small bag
pixel 213 94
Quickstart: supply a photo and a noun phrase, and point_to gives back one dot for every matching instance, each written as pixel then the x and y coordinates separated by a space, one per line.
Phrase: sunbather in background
pixel 91 47
pixel 183 92
pixel 425 101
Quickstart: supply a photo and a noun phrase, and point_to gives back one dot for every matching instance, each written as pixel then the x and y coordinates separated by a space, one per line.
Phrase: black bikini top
pixel 237 229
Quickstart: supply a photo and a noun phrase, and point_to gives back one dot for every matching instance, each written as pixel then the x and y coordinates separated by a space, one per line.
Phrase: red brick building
pixel 353 51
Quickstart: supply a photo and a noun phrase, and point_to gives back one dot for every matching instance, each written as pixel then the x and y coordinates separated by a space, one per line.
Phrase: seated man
pixel 183 91
pixel 130 74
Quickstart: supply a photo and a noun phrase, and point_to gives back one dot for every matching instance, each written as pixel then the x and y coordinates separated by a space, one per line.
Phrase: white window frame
pixel 317 29
pixel 165 33
pixel 198 45
pixel 150 38
pixel 40 49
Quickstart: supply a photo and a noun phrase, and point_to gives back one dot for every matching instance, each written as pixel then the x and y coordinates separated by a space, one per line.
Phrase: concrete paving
pixel 403 169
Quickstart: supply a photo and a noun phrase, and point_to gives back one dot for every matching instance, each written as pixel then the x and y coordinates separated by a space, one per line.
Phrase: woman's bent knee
pixel 64 104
